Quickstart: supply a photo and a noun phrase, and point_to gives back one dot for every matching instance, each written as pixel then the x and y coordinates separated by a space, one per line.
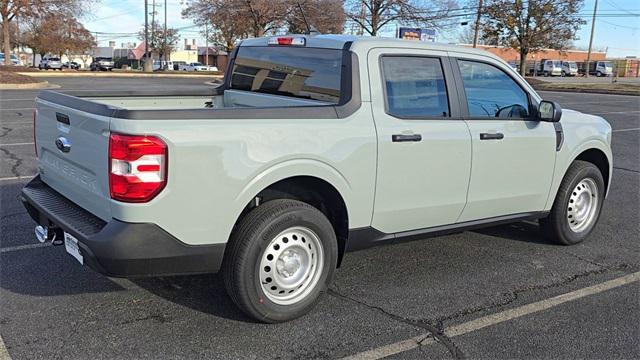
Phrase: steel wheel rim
pixel 583 205
pixel 291 265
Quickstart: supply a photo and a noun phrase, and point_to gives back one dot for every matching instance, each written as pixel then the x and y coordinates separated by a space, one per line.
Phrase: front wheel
pixel 280 258
pixel 577 206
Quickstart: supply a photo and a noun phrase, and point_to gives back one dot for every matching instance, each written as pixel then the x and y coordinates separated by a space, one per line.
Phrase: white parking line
pixel 16 144
pixel 619 130
pixel 23 247
pixel 16 109
pixel 616 112
pixel 24 99
pixel 583 103
pixel 497 318
pixel 17 178
pixel 4 354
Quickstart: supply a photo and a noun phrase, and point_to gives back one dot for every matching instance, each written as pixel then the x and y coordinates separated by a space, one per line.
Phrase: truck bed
pixel 216 99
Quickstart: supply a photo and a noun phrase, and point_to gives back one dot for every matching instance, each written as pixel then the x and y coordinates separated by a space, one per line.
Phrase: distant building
pixel 216 57
pixel 511 55
pixel 103 51
pixel 187 56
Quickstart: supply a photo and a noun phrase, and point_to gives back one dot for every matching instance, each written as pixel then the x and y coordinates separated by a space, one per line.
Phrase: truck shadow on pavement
pixel 525 231
pixel 202 293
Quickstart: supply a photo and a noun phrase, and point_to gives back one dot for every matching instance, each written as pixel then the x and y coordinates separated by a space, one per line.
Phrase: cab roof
pixel 339 41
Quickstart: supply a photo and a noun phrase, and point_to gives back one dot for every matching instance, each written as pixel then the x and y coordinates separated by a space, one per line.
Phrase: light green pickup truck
pixel 314 146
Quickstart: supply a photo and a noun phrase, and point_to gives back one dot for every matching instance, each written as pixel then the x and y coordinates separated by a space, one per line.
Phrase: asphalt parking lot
pixel 417 297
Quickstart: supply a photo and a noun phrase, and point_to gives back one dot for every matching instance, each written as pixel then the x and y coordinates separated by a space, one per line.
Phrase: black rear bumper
pixel 117 248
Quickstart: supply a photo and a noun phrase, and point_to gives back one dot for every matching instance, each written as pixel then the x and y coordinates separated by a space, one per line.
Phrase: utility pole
pixel 206 43
pixel 154 41
pixel 593 26
pixel 147 68
pixel 477 31
pixel 164 41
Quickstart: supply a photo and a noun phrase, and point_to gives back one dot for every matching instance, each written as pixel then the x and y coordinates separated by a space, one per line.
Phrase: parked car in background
pixel 160 65
pixel 178 64
pixel 71 65
pixel 50 63
pixel 314 146
pixel 197 66
pixel 101 64
pixel 569 68
pixel 14 60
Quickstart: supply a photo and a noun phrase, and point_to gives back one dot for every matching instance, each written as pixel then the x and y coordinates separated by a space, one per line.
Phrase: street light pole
pixel 164 42
pixel 146 35
pixel 593 26
pixel 206 43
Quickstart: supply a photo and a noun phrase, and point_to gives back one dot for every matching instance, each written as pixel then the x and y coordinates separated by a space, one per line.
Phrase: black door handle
pixel 491 136
pixel 401 138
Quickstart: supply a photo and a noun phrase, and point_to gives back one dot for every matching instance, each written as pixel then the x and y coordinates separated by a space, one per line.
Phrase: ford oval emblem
pixel 63 144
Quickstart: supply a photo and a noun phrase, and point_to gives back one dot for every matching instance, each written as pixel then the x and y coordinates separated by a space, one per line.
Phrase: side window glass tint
pixel 415 87
pixel 491 93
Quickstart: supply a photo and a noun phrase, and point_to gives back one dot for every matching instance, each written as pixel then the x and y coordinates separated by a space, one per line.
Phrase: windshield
pixel 196 64
pixel 301 72
pixel 607 64
pixel 54 59
pixel 556 64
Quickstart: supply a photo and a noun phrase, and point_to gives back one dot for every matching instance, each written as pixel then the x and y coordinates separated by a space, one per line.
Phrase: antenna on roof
pixel 310 29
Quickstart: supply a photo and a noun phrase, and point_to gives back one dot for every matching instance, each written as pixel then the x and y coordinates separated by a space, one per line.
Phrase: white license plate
pixel 71 245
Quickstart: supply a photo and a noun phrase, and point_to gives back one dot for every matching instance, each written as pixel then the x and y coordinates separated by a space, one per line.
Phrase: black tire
pixel 555 226
pixel 248 244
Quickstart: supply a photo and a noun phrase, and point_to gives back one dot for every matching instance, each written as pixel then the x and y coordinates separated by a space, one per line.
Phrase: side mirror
pixel 549 111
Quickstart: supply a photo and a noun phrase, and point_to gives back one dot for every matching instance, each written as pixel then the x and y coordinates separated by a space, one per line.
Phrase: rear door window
pixel 301 72
pixel 415 87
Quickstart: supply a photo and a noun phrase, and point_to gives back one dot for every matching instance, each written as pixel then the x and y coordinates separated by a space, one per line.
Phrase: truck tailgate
pixel 73 149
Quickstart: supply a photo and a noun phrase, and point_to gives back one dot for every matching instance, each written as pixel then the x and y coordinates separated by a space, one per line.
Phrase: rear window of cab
pixel 301 72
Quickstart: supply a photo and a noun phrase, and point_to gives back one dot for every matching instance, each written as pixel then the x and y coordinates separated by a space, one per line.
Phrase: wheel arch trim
pixel 562 166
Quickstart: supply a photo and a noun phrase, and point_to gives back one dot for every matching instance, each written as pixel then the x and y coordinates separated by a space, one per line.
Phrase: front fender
pixel 568 154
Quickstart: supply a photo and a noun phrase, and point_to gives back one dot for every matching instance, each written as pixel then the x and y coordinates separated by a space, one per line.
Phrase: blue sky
pixel 619 35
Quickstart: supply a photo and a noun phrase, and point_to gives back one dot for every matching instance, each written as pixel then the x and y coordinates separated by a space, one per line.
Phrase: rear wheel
pixel 577 206
pixel 281 257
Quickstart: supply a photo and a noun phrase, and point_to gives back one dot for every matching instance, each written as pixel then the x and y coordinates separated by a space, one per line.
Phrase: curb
pixel 30 86
pixel 113 74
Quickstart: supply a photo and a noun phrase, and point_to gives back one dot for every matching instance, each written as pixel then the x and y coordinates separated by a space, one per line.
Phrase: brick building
pixel 512 55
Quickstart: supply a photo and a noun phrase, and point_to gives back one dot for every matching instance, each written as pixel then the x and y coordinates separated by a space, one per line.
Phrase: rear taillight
pixel 35 143
pixel 137 167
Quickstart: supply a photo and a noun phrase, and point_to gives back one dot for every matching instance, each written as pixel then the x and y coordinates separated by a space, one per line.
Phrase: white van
pixel 569 68
pixel 162 65
pixel 552 68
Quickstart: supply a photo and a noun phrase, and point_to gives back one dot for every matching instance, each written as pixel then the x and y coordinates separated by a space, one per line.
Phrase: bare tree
pixel 25 9
pixel 58 34
pixel 373 15
pixel 225 23
pixel 531 25
pixel 160 43
pixel 231 20
pixel 325 16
